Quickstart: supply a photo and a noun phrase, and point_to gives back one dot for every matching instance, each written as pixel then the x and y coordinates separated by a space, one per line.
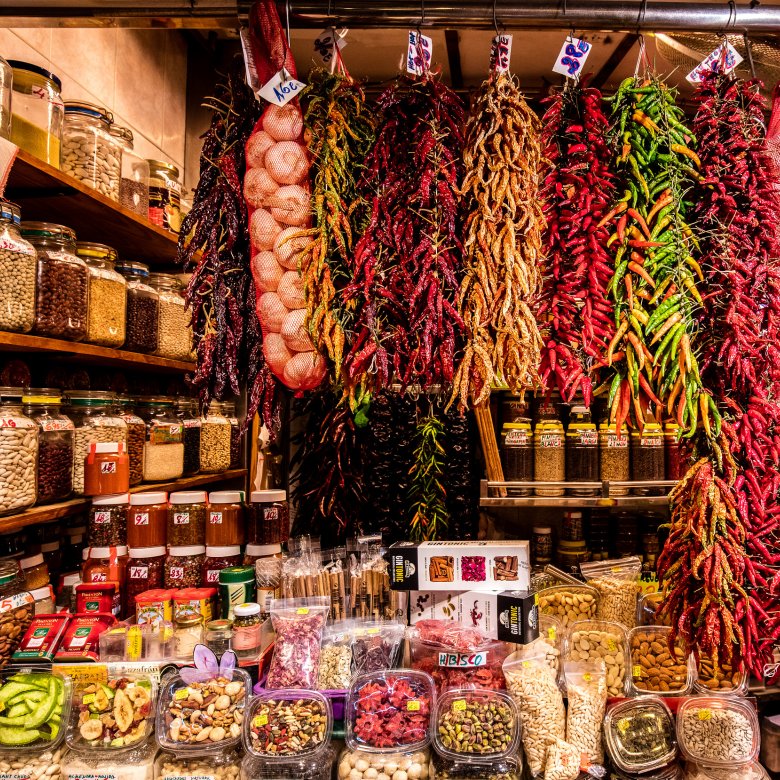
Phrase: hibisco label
pixel 463 660
pixel 181 518
pixel 102 518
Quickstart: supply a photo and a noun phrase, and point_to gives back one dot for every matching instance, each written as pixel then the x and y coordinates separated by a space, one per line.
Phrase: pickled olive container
pixel 147 519
pixel 184 566
pixel 136 438
pixel 639 734
pixel 226 518
pixel 174 338
pixel 215 434
pixel 187 516
pixel 18 453
pixel 187 412
pixel 475 725
pixel 107 295
pixel 654 668
pixel 600 640
pixel 614 456
pixel 143 308
pixel 163 448
pixel 569 603
pixel 364 765
pixel 549 457
pixel 582 452
pixel 18 270
pixel 61 301
pixel 517 454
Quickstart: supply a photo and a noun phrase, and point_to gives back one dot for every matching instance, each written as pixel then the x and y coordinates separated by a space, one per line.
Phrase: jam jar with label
pixel 107 520
pixel 225 524
pixel 147 519
pixel 187 516
pixel 218 558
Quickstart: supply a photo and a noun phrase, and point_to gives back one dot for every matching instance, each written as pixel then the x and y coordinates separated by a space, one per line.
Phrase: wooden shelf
pixel 90 353
pixel 51 512
pixel 48 195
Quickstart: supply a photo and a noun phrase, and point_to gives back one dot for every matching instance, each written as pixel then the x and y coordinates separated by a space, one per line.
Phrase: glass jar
pixel 613 456
pixel 14 598
pixel 164 195
pixel 247 625
pixel 184 566
pixel 515 408
pixel 52 554
pixel 107 521
pixel 541 545
pixel 35 572
pixel 147 520
pixel 517 455
pixel 106 469
pixel 582 451
pixel 237 585
pixel 94 420
pixel 268 520
pixel 548 407
pixel 136 438
pixel 6 87
pixel 214 440
pixel 675 453
pixel 187 633
pixel 187 412
pixel 61 303
pixel 267 560
pixel 229 408
pixel 107 295
pixel 106 564
pixel 572 529
pixel 18 453
pixel 218 558
pixel 647 458
pixel 226 518
pixel 218 635
pixel 143 308
pixel 187 518
pixel 44 600
pixel 55 443
pixel 145 571
pixel 174 337
pixel 18 268
pixel 163 449
pixel 37 112
pixel 134 178
pixel 571 554
pixel 549 457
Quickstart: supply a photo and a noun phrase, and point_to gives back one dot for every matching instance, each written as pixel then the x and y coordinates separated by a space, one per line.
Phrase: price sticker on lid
pixel 705 714
pixel 260 720
pixel 572 57
pixel 302 611
pixel 413 705
pixel 182 693
pixel 459 705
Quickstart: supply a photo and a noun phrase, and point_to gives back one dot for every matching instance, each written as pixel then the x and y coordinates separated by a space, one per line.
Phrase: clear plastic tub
pixel 293 723
pixel 551 633
pixel 225 765
pixel 135 764
pixel 647 610
pixel 639 735
pixel 617 583
pixel 23 767
pixel 475 725
pixel 719 679
pixel 507 769
pixel 718 731
pixel 390 711
pixel 361 765
pixel 594 640
pixel 127 700
pixel 317 767
pixel 648 647
pixel 752 771
pixel 569 603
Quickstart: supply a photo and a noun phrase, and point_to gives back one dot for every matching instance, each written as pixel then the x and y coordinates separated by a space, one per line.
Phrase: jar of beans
pixel 187 517
pixel 145 571
pixel 215 435
pixel 647 458
pixel 147 519
pixel 268 517
pixel 136 438
pixel 226 518
pixel 174 338
pixel 235 434
pixel 18 267
pixel 61 303
pixel 218 558
pixel 184 566
pixel 18 453
pixel 613 456
pixel 107 295
pixel 143 308
pixel 55 443
pixel 187 412
pixel 163 448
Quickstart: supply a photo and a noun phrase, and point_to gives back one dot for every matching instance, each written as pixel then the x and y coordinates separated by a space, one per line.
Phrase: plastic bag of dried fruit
pixel 276 191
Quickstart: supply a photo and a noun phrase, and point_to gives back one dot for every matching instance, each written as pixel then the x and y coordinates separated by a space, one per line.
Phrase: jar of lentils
pixel 90 153
pixel 107 520
pixel 95 420
pixel 61 303
pixel 143 308
pixel 187 516
pixel 163 448
pixel 18 453
pixel 184 566
pixel 18 268
pixel 107 295
pixel 174 336
pixel 134 181
pixel 215 432
pixel 55 443
pixel 136 438
pixel 187 412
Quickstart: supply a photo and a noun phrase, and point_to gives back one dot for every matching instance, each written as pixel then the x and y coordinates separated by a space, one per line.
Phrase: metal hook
pixel 732 19
pixel 495 21
pixel 641 18
pixel 330 8
pixel 287 21
pixel 749 53
pixel 422 15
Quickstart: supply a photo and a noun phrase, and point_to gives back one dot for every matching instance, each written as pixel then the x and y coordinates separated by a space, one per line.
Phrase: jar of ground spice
pixel 105 564
pixel 55 443
pixel 143 308
pixel 647 458
pixel 107 295
pixel 107 521
pixel 215 435
pixel 145 571
pixel 136 438
pixel 225 524
pixel 184 566
pixel 163 448
pixel 268 517
pixel 187 516
pixel 35 571
pixel 675 452
pixel 613 456
pixel 549 457
pixel 61 301
pixel 582 452
pixel 517 455
pixel 106 469
pixel 147 519
pixel 187 412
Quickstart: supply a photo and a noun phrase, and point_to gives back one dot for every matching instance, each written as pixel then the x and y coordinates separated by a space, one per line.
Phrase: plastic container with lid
pixel 174 337
pixel 143 308
pixel 217 636
pixel 187 412
pixel 572 528
pixel 134 177
pixel 549 457
pixel 569 602
pixel 222 765
pixel 35 571
pixel 571 554
pixel 106 469
pixel 317 767
pixel 720 679
pixel 459 733
pixel 184 566
pixel 647 610
pixel 614 457
pixel 752 771
pixel 770 742
pixel 654 669
pixel 18 453
pixel 268 517
pixel 187 516
pixel 547 407
pixel 225 525
pixel 582 451
pixel 137 763
pixel 218 558
pixel 237 585
pixel 163 448
pixel 718 731
pixel 18 270
pixel 541 544
pixel 6 88
pixel 107 520
pixel 164 195
pixel 147 519
pixel 107 295
pixel 61 303
pixel 44 600
pixel 362 765
pixel 639 735
pixel 105 564
pixel 647 458
pixel 260 552
pixel 37 111
pixel 601 640
pixel 90 153
pixel 402 702
pixel 145 571
pixel 214 440
pixel 136 438
pixel 187 635
pixel 517 454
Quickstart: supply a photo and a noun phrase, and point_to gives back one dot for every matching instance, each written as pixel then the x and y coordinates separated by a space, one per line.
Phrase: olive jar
pixel 163 447
pixel 18 453
pixel 18 269
pixel 55 443
pixel 62 293
pixel 143 308
pixel 107 295
pixel 174 338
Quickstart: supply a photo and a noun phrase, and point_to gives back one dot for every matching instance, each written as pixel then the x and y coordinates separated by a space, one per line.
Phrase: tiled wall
pixel 139 75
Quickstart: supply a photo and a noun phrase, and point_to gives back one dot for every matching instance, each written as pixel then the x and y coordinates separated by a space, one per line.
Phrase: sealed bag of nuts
pixel 617 583
pixel 586 684
pixel 336 659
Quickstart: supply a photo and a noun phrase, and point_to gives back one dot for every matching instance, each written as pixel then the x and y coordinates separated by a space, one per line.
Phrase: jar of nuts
pixel 107 295
pixel 18 453
pixel 174 334
pixel 143 308
pixel 600 640
pixel 215 434
pixel 61 303
pixel 569 603
pixel 16 609
pixel 655 667
pixel 18 267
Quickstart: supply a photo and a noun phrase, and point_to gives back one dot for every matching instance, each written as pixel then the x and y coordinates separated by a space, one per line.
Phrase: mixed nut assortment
pixel 212 710
pixel 287 727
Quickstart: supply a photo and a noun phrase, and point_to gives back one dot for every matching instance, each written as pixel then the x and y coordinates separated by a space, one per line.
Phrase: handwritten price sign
pixel 418 53
pixel 572 57
pixel 500 53
pixel 281 88
pixel 721 60
pixel 326 42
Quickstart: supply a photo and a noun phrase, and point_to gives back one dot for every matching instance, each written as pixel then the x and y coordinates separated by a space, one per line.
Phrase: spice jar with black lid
pixel 143 308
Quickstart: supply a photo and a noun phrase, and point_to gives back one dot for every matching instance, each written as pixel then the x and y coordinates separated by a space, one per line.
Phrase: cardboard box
pixel 459 566
pixel 509 615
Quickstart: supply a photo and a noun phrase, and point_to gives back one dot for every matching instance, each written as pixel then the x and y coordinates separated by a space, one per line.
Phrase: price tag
pixel 705 714
pixel 302 611
pixel 413 705
pixel 623 725
pixel 500 53
pixel 587 676
pixel 327 41
pixel 611 645
pixel 637 672
pixel 459 705
pixel 181 694
pixel 552 633
pixel 418 53
pixel 260 720
pixel 572 57
pixel 723 60
pixel 281 88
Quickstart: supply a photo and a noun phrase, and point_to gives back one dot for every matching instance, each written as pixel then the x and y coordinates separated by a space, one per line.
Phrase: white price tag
pixel 418 53
pixel 572 57
pixel 326 41
pixel 721 60
pixel 281 88
pixel 500 53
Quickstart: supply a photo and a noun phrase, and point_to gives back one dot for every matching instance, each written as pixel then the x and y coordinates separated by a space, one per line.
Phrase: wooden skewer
pixel 487 438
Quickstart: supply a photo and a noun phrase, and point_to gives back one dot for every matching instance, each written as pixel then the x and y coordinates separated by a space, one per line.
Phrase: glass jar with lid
pixel 18 269
pixel 582 451
pixel 147 519
pixel 184 566
pixel 163 449
pixel 246 630
pixel 268 517
pixel 35 571
pixel 515 408
pixel 218 635
pixel 37 111
pixel 145 571
pixel 164 195
pixel 61 302
pixel 106 469
pixel 235 434
pixel 174 337
pixel 90 154
pixel 226 518
pixel 215 440
pixel 18 453
pixel 187 634
pixel 95 420
pixel 647 458
pixel 55 443
pixel 14 592
pixel 143 308
pixel 517 455
pixel 549 457
pixel 548 407
pixel 107 295
pixel 675 452
pixel 107 520
pixel 187 412
pixel 106 564
pixel 187 518
pixel 136 438
pixel 6 87
pixel 613 456
pixel 134 178
pixel 218 558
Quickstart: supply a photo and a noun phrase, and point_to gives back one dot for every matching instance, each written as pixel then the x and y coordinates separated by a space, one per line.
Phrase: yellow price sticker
pixel 459 705
pixel 611 645
pixel 413 705
pixel 587 676
pixel 182 693
pixel 372 631
pixel 623 725
pixel 705 714
pixel 260 720
pixel 637 672
pixel 536 599
pixel 302 611
pixel 552 633
pixel 526 664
